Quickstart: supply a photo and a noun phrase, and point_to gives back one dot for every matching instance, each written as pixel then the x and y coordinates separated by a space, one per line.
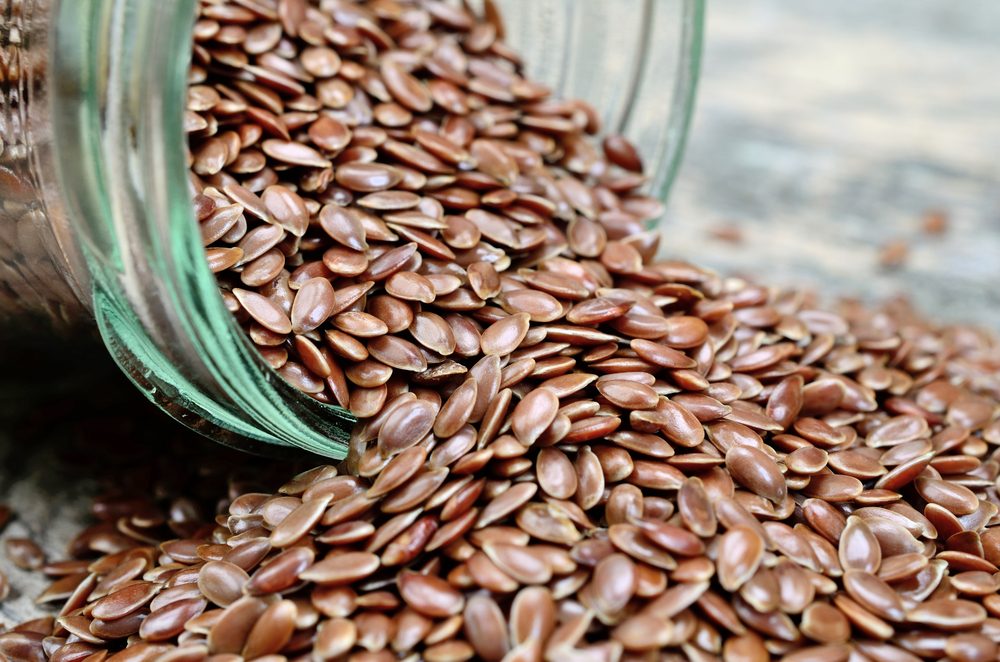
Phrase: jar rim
pixel 121 88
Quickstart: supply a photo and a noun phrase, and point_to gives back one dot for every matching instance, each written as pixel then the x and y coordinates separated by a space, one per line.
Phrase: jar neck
pixel 118 86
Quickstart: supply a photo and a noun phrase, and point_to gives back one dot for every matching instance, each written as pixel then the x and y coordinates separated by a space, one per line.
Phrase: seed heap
pixel 567 450
pixel 377 185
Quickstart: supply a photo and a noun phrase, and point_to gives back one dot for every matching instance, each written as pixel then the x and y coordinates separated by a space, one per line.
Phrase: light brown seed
pixel 410 286
pixel 678 424
pixel 622 153
pixel 901 566
pixel 556 475
pixel 272 631
pixel 806 460
pixel 401 468
pixel 629 539
pixel 833 488
pixel 696 508
pixel 267 313
pixel 856 464
pixel 367 177
pixel 874 594
pixel 329 134
pixel 335 637
pixel 749 647
pixel 344 227
pixel 456 410
pixel 519 562
pixel 320 61
pixel 408 545
pixel 956 498
pixel 229 633
pixel 826 624
pixel 389 262
pixel 614 585
pixel 165 623
pixel 124 601
pixel 947 614
pixel 299 522
pixel 661 355
pixel 24 553
pixel 971 647
pixel 416 492
pixel 741 551
pixel 314 303
pixel 859 548
pixel 672 538
pixel 549 522
pixel 429 595
pixel 494 161
pixel 286 208
pixel 505 335
pixel 486 628
pixel 597 311
pixel 540 307
pixel 628 395
pixel 220 259
pixel 406 426
pixel 755 470
pixel 294 153
pixel 533 415
pixel 398 353
pixel 341 569
pixel 281 572
pixel 405 88
pixel 262 270
pixel 590 478
pixel 222 582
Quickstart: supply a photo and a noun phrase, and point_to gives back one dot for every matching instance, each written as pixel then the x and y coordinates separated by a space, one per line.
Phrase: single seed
pixel 504 336
pixel 740 553
pixel 753 469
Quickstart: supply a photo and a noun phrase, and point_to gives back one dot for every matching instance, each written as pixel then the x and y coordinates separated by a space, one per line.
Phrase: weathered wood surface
pixel 824 129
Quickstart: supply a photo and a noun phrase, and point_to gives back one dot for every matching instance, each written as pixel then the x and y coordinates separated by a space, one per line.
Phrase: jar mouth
pixel 119 73
pixel 119 79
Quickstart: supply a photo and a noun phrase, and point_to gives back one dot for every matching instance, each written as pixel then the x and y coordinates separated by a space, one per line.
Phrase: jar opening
pixel 119 74
pixel 119 78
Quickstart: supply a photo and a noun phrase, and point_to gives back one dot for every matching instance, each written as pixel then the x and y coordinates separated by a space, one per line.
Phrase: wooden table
pixel 824 129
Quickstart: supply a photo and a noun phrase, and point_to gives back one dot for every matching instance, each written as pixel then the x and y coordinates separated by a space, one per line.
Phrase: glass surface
pixel 636 61
pixel 41 274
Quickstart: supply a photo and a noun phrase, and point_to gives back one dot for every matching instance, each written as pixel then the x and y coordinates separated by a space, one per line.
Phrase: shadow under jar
pixel 96 224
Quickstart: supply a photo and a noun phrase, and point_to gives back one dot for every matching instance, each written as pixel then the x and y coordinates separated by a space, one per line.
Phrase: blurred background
pixel 826 137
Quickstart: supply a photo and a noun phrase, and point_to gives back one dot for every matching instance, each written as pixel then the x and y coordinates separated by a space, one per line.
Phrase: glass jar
pixel 95 217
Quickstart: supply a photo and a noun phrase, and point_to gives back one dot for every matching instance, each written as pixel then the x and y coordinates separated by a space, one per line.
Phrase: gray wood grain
pixel 826 129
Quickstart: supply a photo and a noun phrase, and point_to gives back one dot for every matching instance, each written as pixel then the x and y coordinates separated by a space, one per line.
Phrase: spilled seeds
pixel 566 449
